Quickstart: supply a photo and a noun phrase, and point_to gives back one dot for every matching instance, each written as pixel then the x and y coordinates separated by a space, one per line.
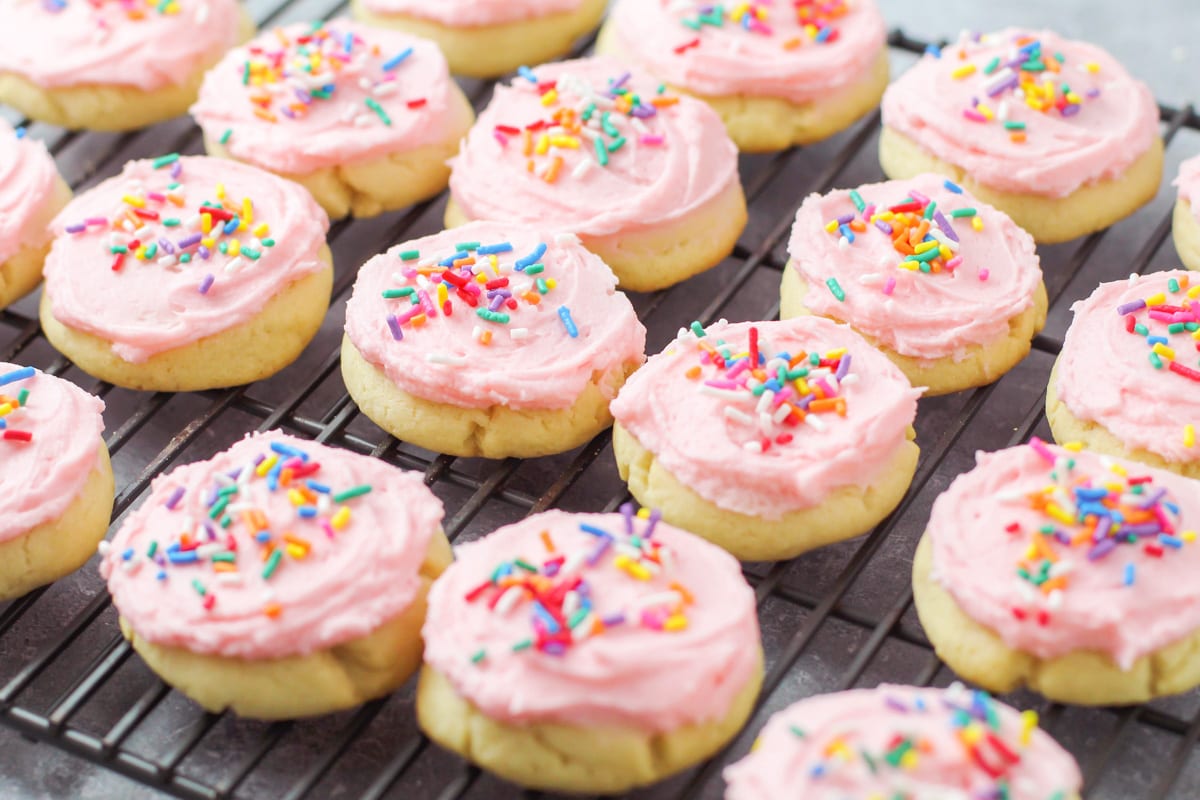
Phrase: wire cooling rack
pixel 838 618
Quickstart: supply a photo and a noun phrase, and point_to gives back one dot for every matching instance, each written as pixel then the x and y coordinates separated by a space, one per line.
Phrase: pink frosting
pixel 43 475
pixel 27 182
pixel 1113 123
pixel 1106 374
pixel 59 43
pixel 798 54
pixel 923 315
pixel 665 631
pixel 748 453
pixel 1189 184
pixel 523 355
pixel 474 13
pixel 204 296
pixel 334 580
pixel 276 123
pixel 837 746
pixel 1100 593
pixel 663 165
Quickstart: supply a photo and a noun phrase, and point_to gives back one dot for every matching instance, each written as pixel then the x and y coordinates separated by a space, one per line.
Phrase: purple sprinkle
pixel 803 402
pixel 1008 83
pixel 621 81
pixel 204 252
pixel 1142 530
pixel 945 225
pixel 601 549
pixel 643 112
pixel 394 325
pixel 895 704
pixel 627 513
pixel 1152 500
pixel 652 523
pixel 497 301
pixel 166 246
pixel 189 241
pixel 1130 307
pixel 1101 550
pixel 1093 93
pixel 78 227
pixel 843 367
pixel 207 283
pixel 1071 109
pixel 845 219
pixel 883 226
pixel 175 497
pixel 176 169
pixel 613 620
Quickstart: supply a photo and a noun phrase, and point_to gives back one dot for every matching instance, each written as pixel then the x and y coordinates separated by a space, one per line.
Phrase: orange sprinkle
pixel 272 610
pixel 548 542
pixel 693 373
pixel 688 597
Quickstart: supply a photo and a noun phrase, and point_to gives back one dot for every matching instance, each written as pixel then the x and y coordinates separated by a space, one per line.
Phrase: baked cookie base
pixel 57 548
pixel 110 107
pixel 1084 678
pixel 321 682
pixel 980 365
pixel 490 51
pixel 22 272
pixel 846 513
pixel 1186 230
pixel 251 351
pixel 492 432
pixel 652 258
pixel 571 758
pixel 1066 427
pixel 762 124
pixel 1089 208
pixel 367 188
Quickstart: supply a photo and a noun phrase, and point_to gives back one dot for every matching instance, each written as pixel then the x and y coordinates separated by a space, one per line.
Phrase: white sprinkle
pixel 104 548
pixel 738 415
pixel 815 421
pixel 566 239
pixel 229 578
pixel 671 598
pixel 509 600
pixel 519 334
pixel 446 358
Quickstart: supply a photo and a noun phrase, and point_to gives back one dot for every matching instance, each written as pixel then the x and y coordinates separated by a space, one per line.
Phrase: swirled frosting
pixel 533 317
pixel 146 45
pixel 900 741
pixel 567 147
pixel 834 412
pixel 27 180
pixel 1131 362
pixel 1188 183
pixel 474 13
pixel 634 624
pixel 305 97
pixel 274 547
pixel 1112 574
pixel 996 107
pixel 796 51
pixel 977 272
pixel 49 439
pixel 176 249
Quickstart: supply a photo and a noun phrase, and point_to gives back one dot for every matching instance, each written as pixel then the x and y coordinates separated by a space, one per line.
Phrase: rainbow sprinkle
pixel 208 555
pixel 586 125
pixel 318 68
pixel 1093 515
pixel 563 609
pixel 921 233
pixel 499 285
pixel 1169 322
pixel 1026 76
pixel 816 19
pixel 164 227
pixel 11 406
pixel 768 392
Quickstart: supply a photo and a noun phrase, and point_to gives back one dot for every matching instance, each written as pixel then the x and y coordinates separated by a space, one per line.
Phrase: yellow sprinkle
pixel 247 211
pixel 1196 335
pixel 296 497
pixel 297 551
pixel 977 223
pixel 549 98
pixel 1029 723
pixel 643 513
pixel 832 226
pixel 963 71
pixel 206 223
pixel 1156 299
pixel 925 247
pixel 834 354
pixel 235 247
pixel 567 142
pixel 1194 292
pixel 633 568
pixel 1164 351
pixel 543 145
pixel 1189 435
pixel 341 518
pixel 1056 511
pixel 971 735
pixel 220 191
pixel 1117 468
pixel 262 230
pixel 141 253
pixel 1188 536
pixel 982 108
pixel 945 252
pixel 909 760
pixel 209 242
pixel 675 622
pixel 911 266
pixel 266 466
pixel 1074 447
pixel 6 409
pixel 443 294
pixel 1092 66
pixel 136 202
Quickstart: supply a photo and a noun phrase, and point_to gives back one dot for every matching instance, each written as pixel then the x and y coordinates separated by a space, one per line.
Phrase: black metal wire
pixel 484 485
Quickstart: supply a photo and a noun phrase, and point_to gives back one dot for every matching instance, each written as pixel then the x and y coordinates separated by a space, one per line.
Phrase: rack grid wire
pixel 838 618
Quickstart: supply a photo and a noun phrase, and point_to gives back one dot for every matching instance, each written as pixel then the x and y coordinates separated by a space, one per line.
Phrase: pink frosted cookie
pixel 647 179
pixel 487 38
pixel 779 74
pixel 183 274
pixel 1065 571
pixel 1053 132
pixel 904 742
pixel 112 65
pixel 948 287
pixel 1186 226
pixel 493 340
pixel 31 193
pixel 363 118
pixel 589 652
pixel 1127 382
pixel 280 578
pixel 56 489
pixel 768 438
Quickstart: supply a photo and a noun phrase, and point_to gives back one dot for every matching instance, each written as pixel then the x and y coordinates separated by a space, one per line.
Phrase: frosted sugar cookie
pixel 493 339
pixel 1053 132
pixel 946 286
pixel 1186 227
pixel 182 274
pixel 589 653
pixel 280 578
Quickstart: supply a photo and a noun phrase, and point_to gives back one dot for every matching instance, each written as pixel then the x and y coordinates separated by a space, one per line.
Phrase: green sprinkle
pixel 1176 327
pixel 836 288
pixel 246 74
pixel 992 66
pixel 224 248
pixel 535 269
pixel 870 761
pixel 410 255
pixel 218 508
pixel 480 655
pixel 272 564
pixel 525 565
pixel 226 135
pixel 588 111
pixel 228 558
pixel 352 492
pixel 226 521
pixel 165 161
pixel 1155 360
pixel 492 316
pixel 118 248
pixel 607 125
pixel 199 587
pixel 321 94
pixel 798 731
pixel 1014 125
pixel 152 549
pixel 373 104
pixel 186 258
pixel 898 752
pixel 268 242
pixel 814 359
pixel 392 294
pixel 577 618
pixel 542 286
pixel 856 198
pixel 171 222
pixel 930 209
pixel 616 144
pixel 698 329
pixel 228 490
pixel 962 212
pixel 1142 329
pixel 251 253
pixel 601 152
pixel 1173 285
pixel 466 247
pixel 524 644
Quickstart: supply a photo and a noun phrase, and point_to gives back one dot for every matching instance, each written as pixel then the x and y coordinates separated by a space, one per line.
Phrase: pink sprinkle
pixel 501 138
pixel 868 212
pixel 652 139
pixel 974 115
pixel 954 264
pixel 983 274
pixel 1040 448
pixel 158 197
pixel 889 287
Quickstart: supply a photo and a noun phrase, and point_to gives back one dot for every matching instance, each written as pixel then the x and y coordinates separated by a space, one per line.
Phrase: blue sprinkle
pixel 490 249
pixel 1130 572
pixel 127 555
pixel 594 531
pixel 564 314
pixel 531 259
pixel 182 557
pixel 307 512
pixel 17 375
pixel 162 576
pixel 1173 542
pixel 527 74
pixel 933 50
pixel 231 226
pixel 396 60
pixel 21 133
pixel 288 450
pixel 952 186
pixel 317 487
pixel 262 537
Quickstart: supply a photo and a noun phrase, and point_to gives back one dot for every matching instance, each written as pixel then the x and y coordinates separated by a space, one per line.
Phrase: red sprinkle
pixel 18 436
